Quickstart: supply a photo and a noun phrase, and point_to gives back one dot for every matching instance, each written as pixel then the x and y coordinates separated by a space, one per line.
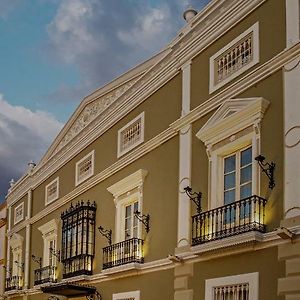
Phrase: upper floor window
pixel 235 58
pixel 52 191
pixel 78 239
pixel 131 135
pixel 19 213
pixel 85 168
pixel 237 287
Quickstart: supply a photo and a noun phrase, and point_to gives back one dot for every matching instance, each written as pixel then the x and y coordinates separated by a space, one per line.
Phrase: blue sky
pixel 54 52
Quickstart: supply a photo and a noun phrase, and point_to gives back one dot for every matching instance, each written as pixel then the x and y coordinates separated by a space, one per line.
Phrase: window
pixel 84 168
pixel 78 239
pixel 131 135
pixel 127 296
pixel 235 58
pixel 52 191
pixel 232 139
pixel 128 198
pixel 19 213
pixel 237 287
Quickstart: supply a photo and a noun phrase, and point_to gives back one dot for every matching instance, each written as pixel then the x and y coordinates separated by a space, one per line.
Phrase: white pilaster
pixel 9 218
pixel 291 73
pixel 185 158
pixel 27 241
pixel 292 22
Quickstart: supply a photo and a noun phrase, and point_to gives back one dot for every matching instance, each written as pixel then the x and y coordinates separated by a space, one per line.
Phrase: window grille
pixel 235 58
pixel 232 292
pixel 85 168
pixel 52 191
pixel 78 239
pixel 131 135
pixel 19 213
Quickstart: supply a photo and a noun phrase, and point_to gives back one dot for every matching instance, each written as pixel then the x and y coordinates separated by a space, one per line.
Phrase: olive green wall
pixel 271 17
pixel 263 261
pixel 157 285
pixel 158 116
pixel 271 144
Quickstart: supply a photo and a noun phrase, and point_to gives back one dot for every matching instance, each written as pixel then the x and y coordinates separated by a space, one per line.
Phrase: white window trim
pixel 212 86
pixel 126 295
pixel 251 278
pixel 56 180
pixel 92 154
pixel 232 117
pixel 16 221
pixel 16 244
pixel 140 116
pixel 49 233
pixel 125 191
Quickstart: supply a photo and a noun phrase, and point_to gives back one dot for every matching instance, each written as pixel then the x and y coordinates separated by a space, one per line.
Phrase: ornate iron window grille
pixel 235 218
pixel 78 239
pixel 128 251
pixel 45 274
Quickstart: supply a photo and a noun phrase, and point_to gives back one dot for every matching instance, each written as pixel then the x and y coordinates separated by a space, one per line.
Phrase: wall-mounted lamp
pixel 37 260
pixel 195 197
pixel 55 253
pixel 267 168
pixel 107 233
pixel 145 219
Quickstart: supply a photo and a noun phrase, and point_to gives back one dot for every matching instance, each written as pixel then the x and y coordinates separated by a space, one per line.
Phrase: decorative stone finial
pixel 11 182
pixel 189 13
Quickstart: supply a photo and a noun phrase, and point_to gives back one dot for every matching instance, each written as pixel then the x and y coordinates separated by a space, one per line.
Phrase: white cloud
pixel 24 135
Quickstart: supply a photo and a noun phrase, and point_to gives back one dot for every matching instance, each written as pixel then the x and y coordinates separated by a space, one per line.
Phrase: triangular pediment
pixel 232 116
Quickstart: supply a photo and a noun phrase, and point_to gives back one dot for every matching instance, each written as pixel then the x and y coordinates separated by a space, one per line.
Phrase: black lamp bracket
pixel 107 233
pixel 37 259
pixel 195 197
pixel 145 219
pixel 267 168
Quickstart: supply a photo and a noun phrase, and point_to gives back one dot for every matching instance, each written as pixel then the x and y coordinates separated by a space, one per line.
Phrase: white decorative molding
pixel 19 213
pixel 50 198
pixel 251 278
pixel 49 227
pixel 127 295
pixel 134 130
pixel 81 177
pixel 16 241
pixel 292 22
pixel 254 32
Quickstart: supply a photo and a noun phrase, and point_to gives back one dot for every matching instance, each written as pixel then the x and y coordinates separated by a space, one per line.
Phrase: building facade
pixel 2 247
pixel 179 179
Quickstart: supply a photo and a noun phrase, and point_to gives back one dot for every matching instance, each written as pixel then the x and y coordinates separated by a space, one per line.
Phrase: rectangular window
pixel 131 222
pixel 237 176
pixel 235 58
pixel 131 135
pixel 84 168
pixel 52 191
pixel 236 287
pixel 19 213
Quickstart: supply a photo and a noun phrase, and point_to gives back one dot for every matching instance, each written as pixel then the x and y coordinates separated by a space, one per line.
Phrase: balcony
pixel 14 283
pixel 129 251
pixel 78 265
pixel 45 275
pixel 232 219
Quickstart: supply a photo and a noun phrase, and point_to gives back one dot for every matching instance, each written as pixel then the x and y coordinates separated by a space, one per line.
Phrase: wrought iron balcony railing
pixel 128 251
pixel 78 265
pixel 14 283
pixel 235 218
pixel 44 275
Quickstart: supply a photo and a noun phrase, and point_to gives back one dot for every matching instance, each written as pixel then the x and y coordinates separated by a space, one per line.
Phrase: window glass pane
pixel 128 211
pixel 246 190
pixel 246 174
pixel 229 196
pixel 229 181
pixel 229 164
pixel 136 206
pixel 246 157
